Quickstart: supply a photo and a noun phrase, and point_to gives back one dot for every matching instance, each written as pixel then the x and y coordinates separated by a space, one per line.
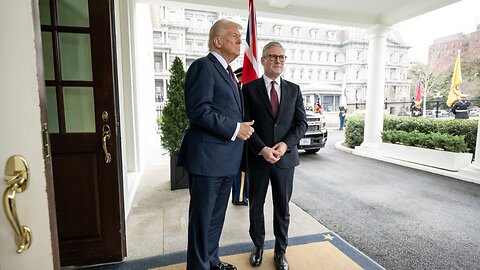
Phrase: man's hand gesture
pixel 246 130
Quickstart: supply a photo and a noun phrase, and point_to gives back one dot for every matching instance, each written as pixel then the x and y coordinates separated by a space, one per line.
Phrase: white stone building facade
pixel 322 59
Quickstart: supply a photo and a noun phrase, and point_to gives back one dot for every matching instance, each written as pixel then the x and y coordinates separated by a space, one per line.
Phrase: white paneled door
pixel 21 77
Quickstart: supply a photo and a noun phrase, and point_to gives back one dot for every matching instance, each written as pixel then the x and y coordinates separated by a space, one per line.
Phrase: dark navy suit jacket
pixel 288 126
pixel 214 108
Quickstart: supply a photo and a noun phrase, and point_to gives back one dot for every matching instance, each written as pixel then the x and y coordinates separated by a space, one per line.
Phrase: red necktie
pixel 235 82
pixel 274 99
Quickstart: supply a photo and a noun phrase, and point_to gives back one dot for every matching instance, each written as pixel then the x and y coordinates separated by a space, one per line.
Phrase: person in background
pixel 318 107
pixel 460 107
pixel 212 144
pixel 342 115
pixel 417 110
pixel 240 183
pixel 276 107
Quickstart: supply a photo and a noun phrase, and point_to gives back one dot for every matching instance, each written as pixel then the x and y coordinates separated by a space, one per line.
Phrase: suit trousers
pixel 282 187
pixel 208 204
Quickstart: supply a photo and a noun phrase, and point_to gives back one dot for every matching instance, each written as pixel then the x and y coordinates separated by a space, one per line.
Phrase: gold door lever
pixel 16 176
pixel 106 137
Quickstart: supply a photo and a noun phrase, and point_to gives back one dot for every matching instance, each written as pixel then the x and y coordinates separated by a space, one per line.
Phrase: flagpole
pixel 425 93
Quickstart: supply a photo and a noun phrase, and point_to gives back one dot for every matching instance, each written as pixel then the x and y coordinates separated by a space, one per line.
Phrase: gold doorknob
pixel 106 137
pixel 16 176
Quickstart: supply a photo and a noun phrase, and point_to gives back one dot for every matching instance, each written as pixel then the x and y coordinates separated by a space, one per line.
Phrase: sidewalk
pixel 158 220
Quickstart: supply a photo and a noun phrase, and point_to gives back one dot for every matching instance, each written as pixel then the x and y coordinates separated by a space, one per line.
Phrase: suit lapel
pixel 286 95
pixel 262 91
pixel 227 78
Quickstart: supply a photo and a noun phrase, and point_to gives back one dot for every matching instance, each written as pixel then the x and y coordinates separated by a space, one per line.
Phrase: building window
pixel 296 31
pixel 174 41
pixel 188 19
pixel 200 46
pixel 158 60
pixel 188 45
pixel 331 35
pixel 393 73
pixel 259 28
pixel 277 29
pixel 159 91
pixel 330 102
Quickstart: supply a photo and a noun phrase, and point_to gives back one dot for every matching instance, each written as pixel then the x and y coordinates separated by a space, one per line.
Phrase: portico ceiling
pixel 358 13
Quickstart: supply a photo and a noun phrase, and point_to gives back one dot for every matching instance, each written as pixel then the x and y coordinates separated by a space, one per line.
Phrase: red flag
pixel 418 97
pixel 250 63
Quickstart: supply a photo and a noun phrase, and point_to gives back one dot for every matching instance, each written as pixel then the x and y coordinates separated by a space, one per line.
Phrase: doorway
pixel 78 51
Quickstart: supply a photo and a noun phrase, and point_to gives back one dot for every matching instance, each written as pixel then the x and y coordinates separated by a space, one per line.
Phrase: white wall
pixel 135 63
pixel 144 83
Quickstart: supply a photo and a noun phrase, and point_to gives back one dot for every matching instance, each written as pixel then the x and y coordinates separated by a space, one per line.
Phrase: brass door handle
pixel 16 176
pixel 106 137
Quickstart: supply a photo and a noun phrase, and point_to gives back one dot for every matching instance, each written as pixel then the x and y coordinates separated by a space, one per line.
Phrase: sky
pixel 419 32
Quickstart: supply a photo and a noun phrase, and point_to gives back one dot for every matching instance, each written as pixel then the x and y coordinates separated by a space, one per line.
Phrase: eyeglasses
pixel 274 57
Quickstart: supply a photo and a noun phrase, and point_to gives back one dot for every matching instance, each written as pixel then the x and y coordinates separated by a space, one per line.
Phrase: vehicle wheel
pixel 312 151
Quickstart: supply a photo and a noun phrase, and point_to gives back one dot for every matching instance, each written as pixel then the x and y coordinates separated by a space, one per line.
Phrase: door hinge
pixel 46 142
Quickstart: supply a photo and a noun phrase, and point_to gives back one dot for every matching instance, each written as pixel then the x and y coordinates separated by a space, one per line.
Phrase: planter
pixel 178 175
pixel 434 158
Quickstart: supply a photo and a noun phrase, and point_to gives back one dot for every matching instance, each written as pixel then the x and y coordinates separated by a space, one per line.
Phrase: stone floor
pixel 157 223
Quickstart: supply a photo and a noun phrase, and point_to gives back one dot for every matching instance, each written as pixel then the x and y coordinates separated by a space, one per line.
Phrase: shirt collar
pixel 220 59
pixel 268 81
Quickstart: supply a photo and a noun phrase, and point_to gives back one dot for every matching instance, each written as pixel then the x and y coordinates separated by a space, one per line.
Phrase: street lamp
pixel 437 99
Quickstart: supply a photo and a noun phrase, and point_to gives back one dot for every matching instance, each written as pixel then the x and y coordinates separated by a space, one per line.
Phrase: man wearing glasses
pixel 276 106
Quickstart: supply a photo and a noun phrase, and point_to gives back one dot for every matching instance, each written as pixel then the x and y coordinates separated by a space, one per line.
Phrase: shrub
pixel 174 119
pixel 450 135
pixel 354 131
pixel 439 141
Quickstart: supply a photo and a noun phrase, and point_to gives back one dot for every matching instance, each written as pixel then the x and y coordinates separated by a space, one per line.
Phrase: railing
pixel 434 108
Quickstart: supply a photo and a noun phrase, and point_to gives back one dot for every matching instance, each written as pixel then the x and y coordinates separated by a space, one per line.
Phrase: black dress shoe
pixel 281 261
pixel 256 256
pixel 224 266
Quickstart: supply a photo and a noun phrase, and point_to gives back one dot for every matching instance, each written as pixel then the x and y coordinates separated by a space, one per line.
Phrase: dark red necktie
pixel 235 82
pixel 274 99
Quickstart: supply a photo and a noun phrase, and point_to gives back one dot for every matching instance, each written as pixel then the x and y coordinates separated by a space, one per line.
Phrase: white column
pixel 377 48
pixel 472 172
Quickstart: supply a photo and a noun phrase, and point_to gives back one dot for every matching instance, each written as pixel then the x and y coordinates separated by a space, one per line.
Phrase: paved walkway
pixel 157 223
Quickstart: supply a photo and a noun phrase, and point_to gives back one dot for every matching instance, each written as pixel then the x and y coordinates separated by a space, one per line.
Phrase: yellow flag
pixel 456 81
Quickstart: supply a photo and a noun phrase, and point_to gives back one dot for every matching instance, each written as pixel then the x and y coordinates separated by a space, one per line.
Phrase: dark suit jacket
pixel 213 108
pixel 289 126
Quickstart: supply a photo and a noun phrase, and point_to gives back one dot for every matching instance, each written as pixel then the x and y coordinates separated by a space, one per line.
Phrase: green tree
pixel 470 73
pixel 174 119
pixel 470 63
